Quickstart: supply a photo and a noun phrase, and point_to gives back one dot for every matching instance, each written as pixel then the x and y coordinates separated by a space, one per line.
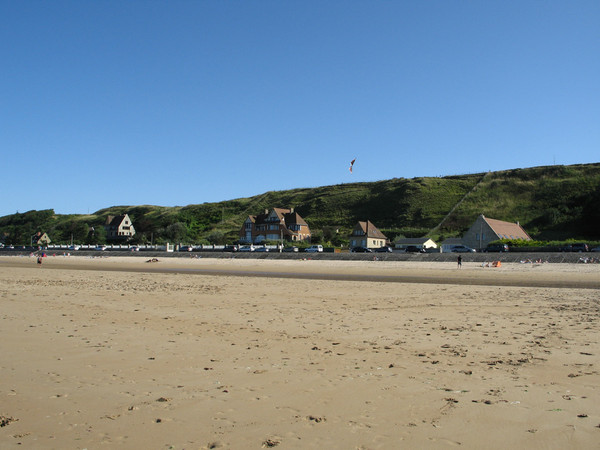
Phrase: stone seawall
pixel 550 257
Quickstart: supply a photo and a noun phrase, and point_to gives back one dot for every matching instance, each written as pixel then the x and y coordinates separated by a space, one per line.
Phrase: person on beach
pixel 459 261
pixel 39 260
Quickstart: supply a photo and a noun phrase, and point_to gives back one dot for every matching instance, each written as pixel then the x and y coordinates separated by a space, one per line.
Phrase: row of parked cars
pixel 254 248
pixel 577 247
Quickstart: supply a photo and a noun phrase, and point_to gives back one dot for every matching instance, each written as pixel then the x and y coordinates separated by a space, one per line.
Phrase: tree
pixel 316 237
pixel 216 237
pixel 176 232
pixel 97 235
pixel 329 234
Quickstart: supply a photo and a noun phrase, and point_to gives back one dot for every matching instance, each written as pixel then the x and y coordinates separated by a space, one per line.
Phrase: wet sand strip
pixel 457 278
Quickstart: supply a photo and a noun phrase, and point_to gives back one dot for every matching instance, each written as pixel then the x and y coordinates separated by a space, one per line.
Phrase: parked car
pixel 230 248
pixel 261 249
pixel 247 248
pixel 361 250
pixel 462 249
pixel 186 248
pixel 135 248
pixel 414 249
pixel 314 249
pixel 384 249
pixel 577 247
pixel 595 249
pixel 293 249
pixel 497 248
pixel 74 247
pixel 100 247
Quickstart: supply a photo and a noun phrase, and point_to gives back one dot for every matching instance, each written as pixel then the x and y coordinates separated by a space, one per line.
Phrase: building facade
pixel 485 230
pixel 40 238
pixel 367 235
pixel 277 224
pixel 119 228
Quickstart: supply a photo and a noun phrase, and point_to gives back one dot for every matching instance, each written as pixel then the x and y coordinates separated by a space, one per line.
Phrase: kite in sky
pixel 351 164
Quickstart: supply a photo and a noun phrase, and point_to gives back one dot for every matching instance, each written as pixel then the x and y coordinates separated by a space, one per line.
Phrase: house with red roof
pixel 485 230
pixel 276 224
pixel 365 234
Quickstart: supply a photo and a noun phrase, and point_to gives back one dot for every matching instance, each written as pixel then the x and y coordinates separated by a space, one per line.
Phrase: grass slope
pixel 553 202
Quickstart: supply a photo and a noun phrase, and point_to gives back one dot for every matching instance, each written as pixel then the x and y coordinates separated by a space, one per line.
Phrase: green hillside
pixel 552 203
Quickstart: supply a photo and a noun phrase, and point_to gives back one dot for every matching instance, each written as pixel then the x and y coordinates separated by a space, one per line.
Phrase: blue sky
pixel 169 103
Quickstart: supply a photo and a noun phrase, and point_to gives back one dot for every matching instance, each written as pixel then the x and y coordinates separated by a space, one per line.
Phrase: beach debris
pixel 270 443
pixel 5 420
pixel 316 419
pixel 163 399
pixel 581 416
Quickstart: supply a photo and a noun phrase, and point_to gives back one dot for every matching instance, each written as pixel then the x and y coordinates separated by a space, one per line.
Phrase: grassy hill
pixel 552 203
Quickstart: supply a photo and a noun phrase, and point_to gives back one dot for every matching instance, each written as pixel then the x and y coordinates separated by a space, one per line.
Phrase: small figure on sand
pixel 39 260
pixel 459 261
pixel 152 260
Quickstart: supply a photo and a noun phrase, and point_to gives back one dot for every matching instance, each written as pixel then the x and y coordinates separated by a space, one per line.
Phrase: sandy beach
pixel 245 354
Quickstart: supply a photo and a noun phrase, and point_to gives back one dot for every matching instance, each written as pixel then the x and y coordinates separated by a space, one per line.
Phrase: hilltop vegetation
pixel 551 203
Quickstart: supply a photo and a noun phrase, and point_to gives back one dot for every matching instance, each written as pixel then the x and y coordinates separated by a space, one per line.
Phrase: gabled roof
pixel 281 212
pixel 287 215
pixel 294 218
pixel 507 230
pixel 370 230
pixel 115 221
pixel 39 236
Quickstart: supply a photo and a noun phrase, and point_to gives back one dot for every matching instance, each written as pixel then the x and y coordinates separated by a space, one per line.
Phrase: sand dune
pixel 134 358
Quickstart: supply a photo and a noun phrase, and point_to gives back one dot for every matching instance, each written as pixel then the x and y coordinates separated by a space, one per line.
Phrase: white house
pixel 424 243
pixel 365 234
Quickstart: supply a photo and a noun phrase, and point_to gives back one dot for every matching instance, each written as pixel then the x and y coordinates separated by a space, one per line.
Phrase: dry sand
pixel 129 354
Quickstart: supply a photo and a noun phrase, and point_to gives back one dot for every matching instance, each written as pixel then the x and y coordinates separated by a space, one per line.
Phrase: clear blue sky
pixel 168 103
